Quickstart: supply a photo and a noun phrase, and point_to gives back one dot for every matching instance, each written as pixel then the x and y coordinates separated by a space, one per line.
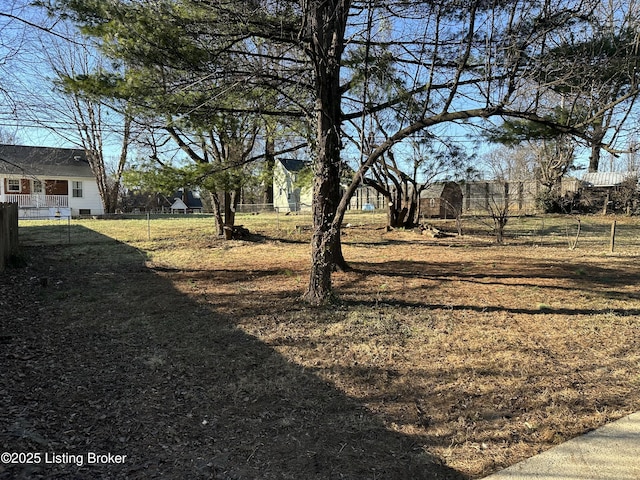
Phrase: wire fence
pixel 600 233
pixel 482 205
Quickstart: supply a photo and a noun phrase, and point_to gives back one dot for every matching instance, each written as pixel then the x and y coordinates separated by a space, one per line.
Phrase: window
pixel 13 185
pixel 56 187
pixel 76 188
pixel 37 186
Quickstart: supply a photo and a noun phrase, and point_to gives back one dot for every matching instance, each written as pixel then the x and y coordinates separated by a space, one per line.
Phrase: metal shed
pixel 606 179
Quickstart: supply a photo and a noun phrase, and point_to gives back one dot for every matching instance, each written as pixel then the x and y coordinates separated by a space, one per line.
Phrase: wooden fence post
pixel 613 236
pixel 8 232
pixel 4 237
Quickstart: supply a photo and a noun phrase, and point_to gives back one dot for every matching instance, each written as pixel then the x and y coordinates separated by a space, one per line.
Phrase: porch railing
pixel 26 200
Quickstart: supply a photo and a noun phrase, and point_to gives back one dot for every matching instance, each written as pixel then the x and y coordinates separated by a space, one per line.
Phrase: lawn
pixel 445 357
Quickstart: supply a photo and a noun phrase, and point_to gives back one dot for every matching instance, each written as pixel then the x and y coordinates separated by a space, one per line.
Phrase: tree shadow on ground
pixel 578 272
pixel 622 312
pixel 104 355
pixel 579 276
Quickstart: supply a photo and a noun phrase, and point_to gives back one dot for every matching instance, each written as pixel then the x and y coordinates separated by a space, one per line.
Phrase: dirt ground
pixel 445 358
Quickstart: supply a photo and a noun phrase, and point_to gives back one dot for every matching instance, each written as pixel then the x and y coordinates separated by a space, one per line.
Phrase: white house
pixel 48 182
pixel 288 193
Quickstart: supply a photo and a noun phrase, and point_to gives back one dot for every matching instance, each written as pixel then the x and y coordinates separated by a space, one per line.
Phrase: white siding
pixel 90 199
pixel 281 188
pixel 286 196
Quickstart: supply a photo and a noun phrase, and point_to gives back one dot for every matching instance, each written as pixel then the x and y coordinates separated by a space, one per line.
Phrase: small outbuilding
pixel 186 201
pixel 441 200
pixel 607 180
pixel 610 191
pixel 178 206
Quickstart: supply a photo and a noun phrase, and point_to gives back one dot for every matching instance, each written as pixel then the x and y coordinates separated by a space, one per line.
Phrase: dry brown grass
pixel 479 355
pixel 486 355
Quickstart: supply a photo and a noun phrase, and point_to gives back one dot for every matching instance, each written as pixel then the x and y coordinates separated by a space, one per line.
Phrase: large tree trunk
pixel 270 162
pixel 403 206
pixel 114 184
pixel 111 203
pixel 229 215
pixel 326 20
pixel 231 200
pixel 594 158
pixel 326 237
pixel 217 213
pixel 339 263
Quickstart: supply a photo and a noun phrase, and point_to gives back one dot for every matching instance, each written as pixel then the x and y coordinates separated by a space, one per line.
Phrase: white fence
pixel 37 200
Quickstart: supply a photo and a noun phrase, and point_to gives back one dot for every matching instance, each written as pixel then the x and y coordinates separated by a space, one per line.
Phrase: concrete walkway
pixel 609 453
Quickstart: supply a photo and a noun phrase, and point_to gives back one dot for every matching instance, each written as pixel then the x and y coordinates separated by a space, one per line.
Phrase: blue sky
pixel 32 99
pixel 30 109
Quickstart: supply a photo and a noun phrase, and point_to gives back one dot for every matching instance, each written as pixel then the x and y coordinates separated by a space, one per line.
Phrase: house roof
pixel 436 190
pixel 190 199
pixel 293 164
pixel 178 204
pixel 59 162
pixel 432 191
pixel 607 179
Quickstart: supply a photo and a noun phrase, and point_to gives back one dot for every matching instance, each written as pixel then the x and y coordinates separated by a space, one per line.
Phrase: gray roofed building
pixel 607 179
pixel 288 193
pixel 26 160
pixel 610 192
pixel 48 182
pixel 294 164
pixel 442 200
pixel 188 201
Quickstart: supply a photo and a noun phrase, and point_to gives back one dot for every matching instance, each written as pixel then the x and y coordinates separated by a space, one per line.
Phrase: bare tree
pixel 46 54
pixel 402 180
pixel 14 44
pixel 95 123
pixel 498 201
pixel 22 28
pixel 553 155
pixel 7 137
pixel 554 158
pixel 632 157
